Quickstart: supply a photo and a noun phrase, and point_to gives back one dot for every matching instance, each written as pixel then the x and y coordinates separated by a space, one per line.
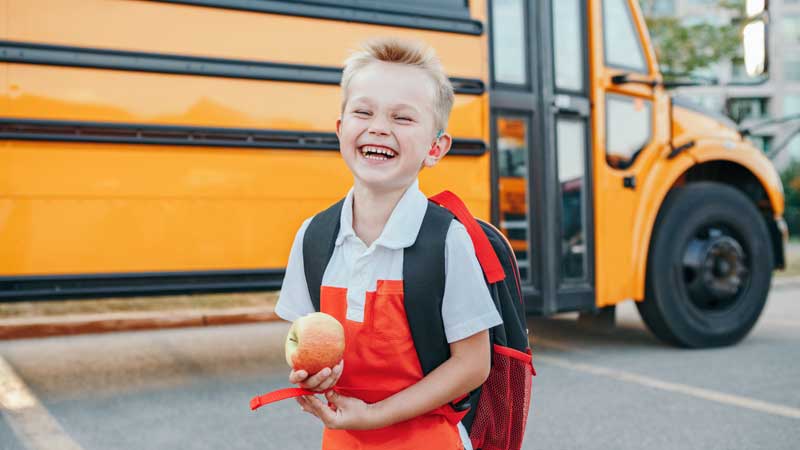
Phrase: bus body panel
pixel 181 29
pixel 199 209
pixel 716 141
pixel 74 208
pixel 627 231
pixel 69 93
pixel 753 160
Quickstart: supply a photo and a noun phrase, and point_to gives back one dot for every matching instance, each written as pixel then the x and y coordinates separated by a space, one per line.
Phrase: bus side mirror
pixel 755 8
pixel 754 38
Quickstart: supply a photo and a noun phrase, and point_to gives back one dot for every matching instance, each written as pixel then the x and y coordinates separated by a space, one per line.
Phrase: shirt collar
pixel 403 225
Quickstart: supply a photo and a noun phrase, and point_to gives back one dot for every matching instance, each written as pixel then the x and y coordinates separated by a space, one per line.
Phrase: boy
pixel 396 102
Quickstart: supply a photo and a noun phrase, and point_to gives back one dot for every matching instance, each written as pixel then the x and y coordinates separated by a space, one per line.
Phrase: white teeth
pixel 372 152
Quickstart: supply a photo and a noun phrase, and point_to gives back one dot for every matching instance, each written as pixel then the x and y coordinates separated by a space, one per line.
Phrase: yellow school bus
pixel 176 146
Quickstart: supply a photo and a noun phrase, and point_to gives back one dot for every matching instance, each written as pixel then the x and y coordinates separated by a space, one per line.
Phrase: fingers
pixel 302 402
pixel 297 377
pixel 315 380
pixel 331 380
pixel 324 379
pixel 322 411
pixel 305 402
pixel 320 381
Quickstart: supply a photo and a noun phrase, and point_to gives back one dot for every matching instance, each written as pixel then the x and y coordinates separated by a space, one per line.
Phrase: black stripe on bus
pixel 424 19
pixel 43 287
pixel 130 133
pixel 70 56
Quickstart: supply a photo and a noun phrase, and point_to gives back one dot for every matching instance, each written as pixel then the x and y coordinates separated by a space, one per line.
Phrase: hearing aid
pixel 434 151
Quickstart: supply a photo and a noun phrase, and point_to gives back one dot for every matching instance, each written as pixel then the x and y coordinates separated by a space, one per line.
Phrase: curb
pixel 47 326
pixel 786 282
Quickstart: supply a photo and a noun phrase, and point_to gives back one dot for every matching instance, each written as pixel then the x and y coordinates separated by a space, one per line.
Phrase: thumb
pixel 334 398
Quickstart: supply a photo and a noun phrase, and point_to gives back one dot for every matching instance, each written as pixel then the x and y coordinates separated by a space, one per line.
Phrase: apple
pixel 315 341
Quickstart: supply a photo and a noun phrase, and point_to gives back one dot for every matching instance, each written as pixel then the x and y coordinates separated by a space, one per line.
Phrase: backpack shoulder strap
pixel 423 288
pixel 318 243
pixel 483 248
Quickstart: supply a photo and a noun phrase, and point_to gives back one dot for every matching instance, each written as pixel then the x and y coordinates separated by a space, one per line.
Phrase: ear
pixel 443 143
pixel 338 127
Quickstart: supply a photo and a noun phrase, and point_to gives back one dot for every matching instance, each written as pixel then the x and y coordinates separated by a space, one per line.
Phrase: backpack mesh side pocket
pixel 502 412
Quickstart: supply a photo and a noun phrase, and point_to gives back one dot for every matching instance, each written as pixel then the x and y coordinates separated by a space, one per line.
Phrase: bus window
pixel 624 142
pixel 510 57
pixel 568 37
pixel 436 7
pixel 512 156
pixel 622 47
pixel 571 147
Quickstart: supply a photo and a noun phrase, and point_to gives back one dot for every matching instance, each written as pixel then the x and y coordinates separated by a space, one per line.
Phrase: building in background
pixel 778 97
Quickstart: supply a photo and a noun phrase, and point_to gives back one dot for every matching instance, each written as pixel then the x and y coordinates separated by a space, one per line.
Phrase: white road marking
pixel 705 394
pixel 30 420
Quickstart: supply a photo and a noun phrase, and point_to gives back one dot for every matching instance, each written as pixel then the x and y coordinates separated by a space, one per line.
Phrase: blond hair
pixel 412 53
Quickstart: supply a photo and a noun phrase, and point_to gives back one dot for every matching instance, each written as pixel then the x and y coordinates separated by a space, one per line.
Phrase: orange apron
pixel 380 360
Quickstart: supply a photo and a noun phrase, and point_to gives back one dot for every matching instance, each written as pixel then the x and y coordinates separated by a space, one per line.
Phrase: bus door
pixel 631 116
pixel 541 148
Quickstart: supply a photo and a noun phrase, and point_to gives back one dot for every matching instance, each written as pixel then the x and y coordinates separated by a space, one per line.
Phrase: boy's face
pixel 387 127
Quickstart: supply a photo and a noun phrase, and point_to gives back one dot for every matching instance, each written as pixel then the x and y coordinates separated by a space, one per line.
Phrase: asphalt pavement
pixel 597 388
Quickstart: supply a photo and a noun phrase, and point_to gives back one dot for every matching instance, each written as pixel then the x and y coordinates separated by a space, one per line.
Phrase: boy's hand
pixel 320 381
pixel 345 413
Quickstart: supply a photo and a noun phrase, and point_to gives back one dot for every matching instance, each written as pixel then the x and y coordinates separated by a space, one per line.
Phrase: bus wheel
pixel 709 268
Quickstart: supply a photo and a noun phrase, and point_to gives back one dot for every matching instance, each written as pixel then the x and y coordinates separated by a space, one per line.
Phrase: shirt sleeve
pixel 467 307
pixel 294 300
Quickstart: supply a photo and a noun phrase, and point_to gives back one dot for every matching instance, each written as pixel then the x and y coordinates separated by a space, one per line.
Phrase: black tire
pixel 702 289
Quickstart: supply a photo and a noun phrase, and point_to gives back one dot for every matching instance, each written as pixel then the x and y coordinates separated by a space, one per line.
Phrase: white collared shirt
pixel 467 307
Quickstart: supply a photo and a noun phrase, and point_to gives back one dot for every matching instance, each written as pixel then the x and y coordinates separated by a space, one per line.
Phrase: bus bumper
pixel 780 239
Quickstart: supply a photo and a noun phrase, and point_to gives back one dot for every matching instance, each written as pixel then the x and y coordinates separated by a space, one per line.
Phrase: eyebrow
pixel 393 107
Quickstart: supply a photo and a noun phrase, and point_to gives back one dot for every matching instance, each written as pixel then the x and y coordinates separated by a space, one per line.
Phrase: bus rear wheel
pixel 709 268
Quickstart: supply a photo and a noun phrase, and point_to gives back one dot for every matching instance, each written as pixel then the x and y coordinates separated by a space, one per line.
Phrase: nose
pixel 379 126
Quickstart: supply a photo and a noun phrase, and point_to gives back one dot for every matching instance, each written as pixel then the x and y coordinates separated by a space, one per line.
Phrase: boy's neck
pixel 371 211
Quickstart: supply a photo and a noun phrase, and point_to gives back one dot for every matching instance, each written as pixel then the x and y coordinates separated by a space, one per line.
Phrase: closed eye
pixel 404 118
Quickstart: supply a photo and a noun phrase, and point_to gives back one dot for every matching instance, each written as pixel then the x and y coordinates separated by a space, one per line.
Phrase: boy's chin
pixel 382 184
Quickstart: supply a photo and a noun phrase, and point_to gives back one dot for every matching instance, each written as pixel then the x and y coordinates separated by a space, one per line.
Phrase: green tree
pixel 790 177
pixel 684 47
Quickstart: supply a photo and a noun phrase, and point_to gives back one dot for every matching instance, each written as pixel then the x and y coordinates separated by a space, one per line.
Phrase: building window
pixel 791 27
pixel 763 142
pixel 791 104
pixel 791 69
pixel 664 7
pixel 793 147
pixel 740 109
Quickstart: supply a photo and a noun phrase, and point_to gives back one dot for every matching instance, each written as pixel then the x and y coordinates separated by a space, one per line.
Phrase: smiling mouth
pixel 377 153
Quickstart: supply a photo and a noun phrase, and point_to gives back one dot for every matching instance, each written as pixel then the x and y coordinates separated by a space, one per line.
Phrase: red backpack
pixel 498 409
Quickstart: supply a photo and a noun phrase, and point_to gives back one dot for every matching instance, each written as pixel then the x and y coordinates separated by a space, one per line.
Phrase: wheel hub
pixel 715 270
